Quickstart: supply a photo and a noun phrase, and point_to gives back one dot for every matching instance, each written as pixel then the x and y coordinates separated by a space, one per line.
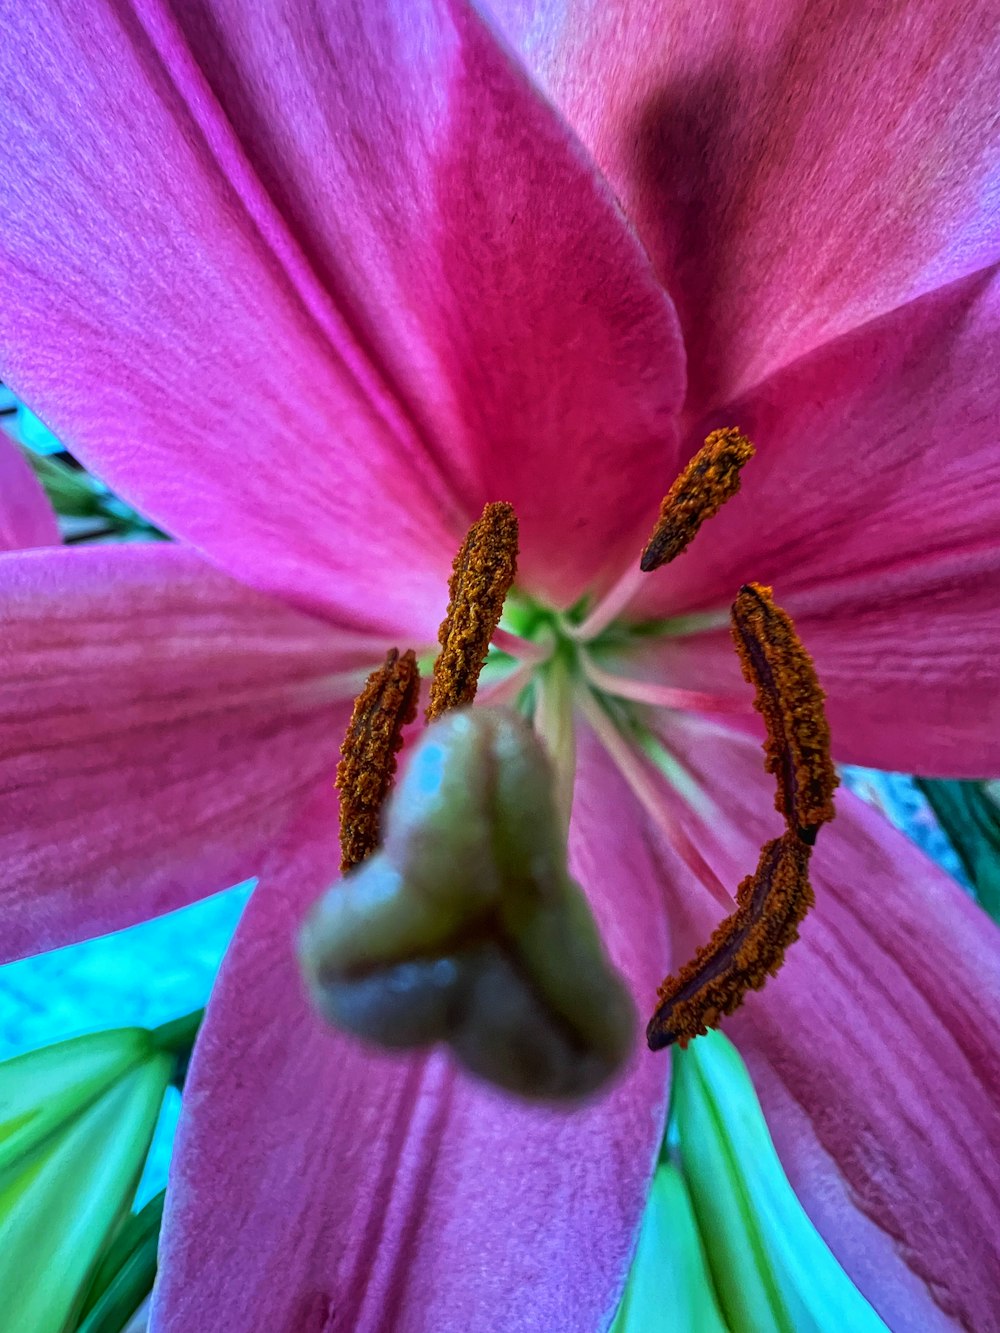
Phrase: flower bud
pixel 465 926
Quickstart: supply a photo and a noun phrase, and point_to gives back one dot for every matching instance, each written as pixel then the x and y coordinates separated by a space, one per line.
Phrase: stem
pixel 614 600
pixel 523 649
pixel 661 696
pixel 637 775
pixel 553 722
pixel 504 689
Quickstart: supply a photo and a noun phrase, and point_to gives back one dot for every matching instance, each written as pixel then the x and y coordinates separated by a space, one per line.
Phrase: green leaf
pixel 970 816
pixel 76 1121
pixel 177 1039
pixel 41 1090
pixel 90 512
pixel 71 491
pixel 125 1274
pixel 669 1286
pixel 772 1270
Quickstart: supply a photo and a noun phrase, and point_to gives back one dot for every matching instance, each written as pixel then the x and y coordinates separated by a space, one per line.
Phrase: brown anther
pixel 710 479
pixel 480 580
pixel 790 699
pixel 374 736
pixel 746 948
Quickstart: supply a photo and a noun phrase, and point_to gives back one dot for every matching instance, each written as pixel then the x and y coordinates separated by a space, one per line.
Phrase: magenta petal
pixel 873 507
pixel 158 725
pixel 793 171
pixel 321 1187
pixel 26 517
pixel 160 315
pixel 311 284
pixel 875 1051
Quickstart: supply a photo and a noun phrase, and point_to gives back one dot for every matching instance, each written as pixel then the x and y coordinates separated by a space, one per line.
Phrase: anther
pixel 746 948
pixel 710 479
pixel 481 578
pixel 368 754
pixel 789 697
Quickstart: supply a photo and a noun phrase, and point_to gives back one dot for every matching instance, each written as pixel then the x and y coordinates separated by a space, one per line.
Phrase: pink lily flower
pixel 308 285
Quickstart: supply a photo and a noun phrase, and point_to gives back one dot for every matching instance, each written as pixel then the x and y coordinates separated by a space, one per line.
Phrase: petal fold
pixel 309 284
pixel 794 170
pixel 873 507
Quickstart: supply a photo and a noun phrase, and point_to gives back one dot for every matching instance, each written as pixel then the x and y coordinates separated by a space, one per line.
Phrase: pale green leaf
pixel 124 1277
pixel 669 1288
pixel 41 1089
pixel 773 1271
pixel 969 813
pixel 81 1140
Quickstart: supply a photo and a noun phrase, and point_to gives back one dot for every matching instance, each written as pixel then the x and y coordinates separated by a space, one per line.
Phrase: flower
pixel 308 286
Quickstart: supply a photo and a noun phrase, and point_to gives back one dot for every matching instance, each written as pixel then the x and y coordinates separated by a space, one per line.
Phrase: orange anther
pixel 710 479
pixel 746 948
pixel 789 697
pixel 480 580
pixel 368 754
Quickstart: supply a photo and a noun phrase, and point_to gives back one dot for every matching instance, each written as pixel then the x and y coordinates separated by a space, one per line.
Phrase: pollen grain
pixel 790 699
pixel 745 949
pixel 368 755
pixel 710 479
pixel 749 945
pixel 481 577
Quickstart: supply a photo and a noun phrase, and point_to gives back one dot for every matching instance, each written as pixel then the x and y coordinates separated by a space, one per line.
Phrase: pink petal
pixel 309 286
pixel 873 507
pixel 874 1051
pixel 26 517
pixel 322 1187
pixel 158 725
pixel 793 172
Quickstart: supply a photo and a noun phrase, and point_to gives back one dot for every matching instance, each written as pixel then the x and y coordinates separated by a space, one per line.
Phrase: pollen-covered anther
pixel 789 697
pixel 481 577
pixel 746 948
pixel 368 754
pixel 710 479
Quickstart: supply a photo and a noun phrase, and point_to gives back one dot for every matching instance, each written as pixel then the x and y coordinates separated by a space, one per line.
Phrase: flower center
pixel 556 669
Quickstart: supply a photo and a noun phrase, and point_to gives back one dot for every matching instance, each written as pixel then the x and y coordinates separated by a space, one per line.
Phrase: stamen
pixel 374 736
pixel 790 700
pixel 710 479
pixel 746 948
pixel 481 578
